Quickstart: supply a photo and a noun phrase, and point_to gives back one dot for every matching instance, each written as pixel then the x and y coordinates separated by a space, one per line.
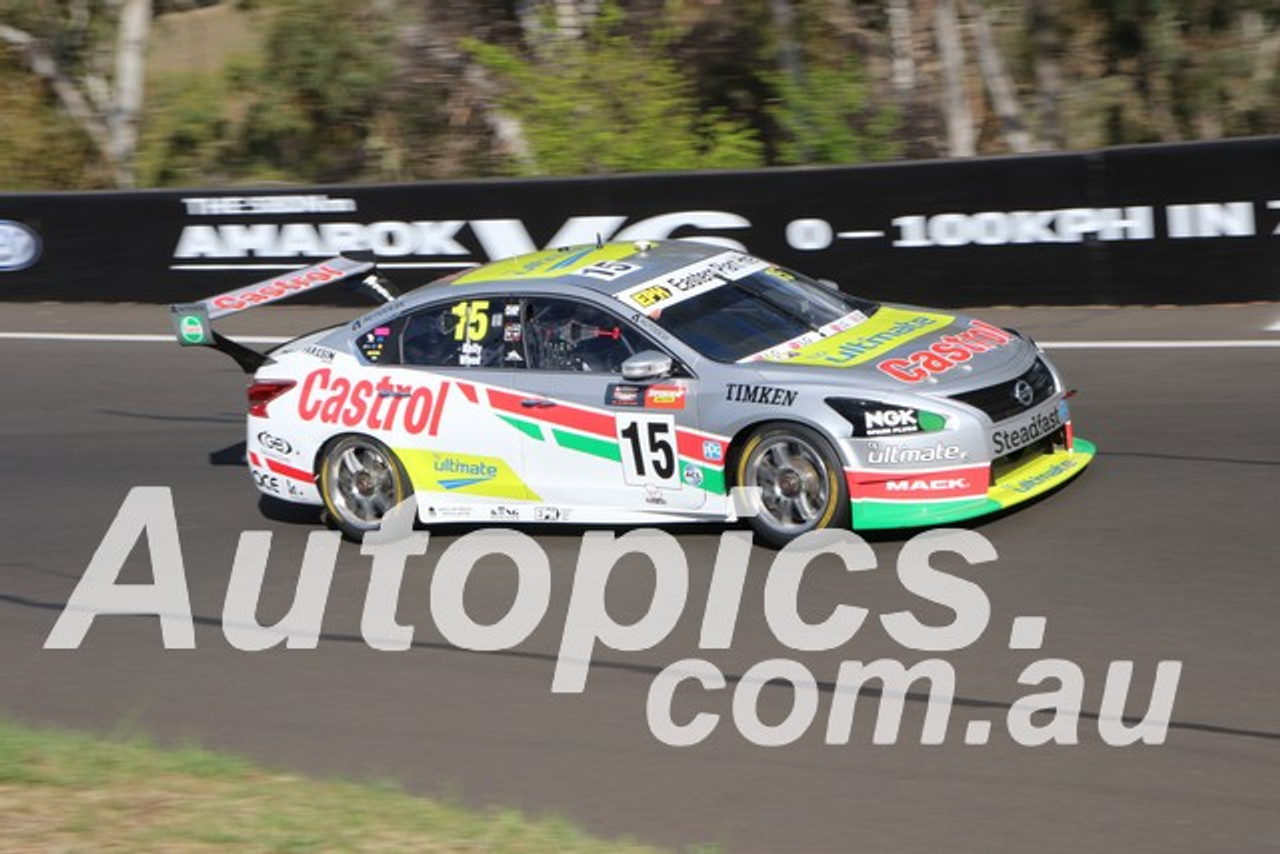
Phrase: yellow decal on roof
pixel 603 263
pixel 883 331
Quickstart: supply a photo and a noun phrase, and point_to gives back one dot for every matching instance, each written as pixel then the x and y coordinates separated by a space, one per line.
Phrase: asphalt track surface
pixel 1165 549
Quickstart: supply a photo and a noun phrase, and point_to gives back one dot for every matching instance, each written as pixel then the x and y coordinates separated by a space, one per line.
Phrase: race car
pixel 645 383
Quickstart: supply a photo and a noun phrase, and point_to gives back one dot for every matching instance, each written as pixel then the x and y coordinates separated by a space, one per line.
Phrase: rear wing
pixel 193 321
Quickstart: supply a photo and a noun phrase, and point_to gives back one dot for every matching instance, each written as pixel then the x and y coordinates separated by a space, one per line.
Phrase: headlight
pixel 872 418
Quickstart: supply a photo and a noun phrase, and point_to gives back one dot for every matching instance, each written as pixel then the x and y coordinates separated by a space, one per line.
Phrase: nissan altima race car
pixel 645 383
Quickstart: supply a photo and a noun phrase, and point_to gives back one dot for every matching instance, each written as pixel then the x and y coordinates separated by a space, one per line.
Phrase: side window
pixel 380 344
pixel 564 335
pixel 468 333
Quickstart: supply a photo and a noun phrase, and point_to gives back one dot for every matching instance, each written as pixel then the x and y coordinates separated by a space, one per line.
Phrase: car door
pixel 606 442
pixel 475 457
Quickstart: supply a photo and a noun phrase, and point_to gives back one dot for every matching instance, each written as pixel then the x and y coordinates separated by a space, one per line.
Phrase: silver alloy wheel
pixel 361 482
pixel 793 481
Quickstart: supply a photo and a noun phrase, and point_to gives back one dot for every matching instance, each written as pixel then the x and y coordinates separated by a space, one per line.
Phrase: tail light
pixel 262 392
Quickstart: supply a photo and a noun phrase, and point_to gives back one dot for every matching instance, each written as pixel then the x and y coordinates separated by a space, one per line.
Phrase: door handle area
pixel 537 402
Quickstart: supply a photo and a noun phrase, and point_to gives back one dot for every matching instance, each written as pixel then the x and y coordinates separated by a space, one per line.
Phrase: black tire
pixel 801 482
pixel 360 481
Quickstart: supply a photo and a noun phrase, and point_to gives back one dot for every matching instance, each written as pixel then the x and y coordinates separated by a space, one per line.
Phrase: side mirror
pixel 828 283
pixel 647 365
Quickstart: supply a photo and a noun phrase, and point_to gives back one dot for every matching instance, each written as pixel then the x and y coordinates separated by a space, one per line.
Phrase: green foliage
pixel 40 148
pixel 314 94
pixel 828 117
pixel 186 136
pixel 606 102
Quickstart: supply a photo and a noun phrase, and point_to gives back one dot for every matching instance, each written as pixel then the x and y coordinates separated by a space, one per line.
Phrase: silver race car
pixel 645 383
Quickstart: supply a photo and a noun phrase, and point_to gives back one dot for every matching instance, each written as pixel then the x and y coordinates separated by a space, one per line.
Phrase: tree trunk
pixel 904 63
pixel 1043 22
pixel 999 83
pixel 956 111
pixel 126 105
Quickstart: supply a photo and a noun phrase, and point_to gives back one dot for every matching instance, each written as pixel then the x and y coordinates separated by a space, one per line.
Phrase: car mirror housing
pixel 647 365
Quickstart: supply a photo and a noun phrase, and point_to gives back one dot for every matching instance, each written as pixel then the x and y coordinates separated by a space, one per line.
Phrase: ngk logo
pixel 920 484
pixel 879 418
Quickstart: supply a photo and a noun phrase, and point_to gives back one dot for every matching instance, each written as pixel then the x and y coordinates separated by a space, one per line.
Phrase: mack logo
pixel 920 484
pixel 473 473
pixel 768 395
pixel 498 238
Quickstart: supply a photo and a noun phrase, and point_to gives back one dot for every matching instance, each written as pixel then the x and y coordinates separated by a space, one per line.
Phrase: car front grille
pixel 1000 401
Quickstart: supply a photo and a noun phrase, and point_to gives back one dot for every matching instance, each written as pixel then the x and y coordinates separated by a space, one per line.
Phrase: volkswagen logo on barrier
pixel 1023 393
pixel 19 246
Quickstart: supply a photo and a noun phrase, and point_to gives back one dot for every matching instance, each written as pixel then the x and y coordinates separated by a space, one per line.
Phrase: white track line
pixel 1155 344
pixel 1174 344
pixel 127 338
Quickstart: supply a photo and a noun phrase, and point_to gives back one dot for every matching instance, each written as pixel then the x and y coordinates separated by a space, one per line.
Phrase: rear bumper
pixel 1012 486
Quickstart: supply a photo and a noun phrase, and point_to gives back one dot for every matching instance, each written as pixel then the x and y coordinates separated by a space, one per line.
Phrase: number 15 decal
pixel 648 444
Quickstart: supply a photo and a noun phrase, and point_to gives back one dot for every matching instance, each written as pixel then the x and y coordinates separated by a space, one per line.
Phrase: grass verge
pixel 66 791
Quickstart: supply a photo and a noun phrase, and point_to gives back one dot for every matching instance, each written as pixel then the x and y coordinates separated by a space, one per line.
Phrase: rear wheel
pixel 794 480
pixel 360 481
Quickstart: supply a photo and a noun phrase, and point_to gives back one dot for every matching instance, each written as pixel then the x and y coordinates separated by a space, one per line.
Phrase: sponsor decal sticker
pixel 946 353
pixel 277 288
pixel 192 329
pixel 463 474
pixel 960 482
pixel 455 473
pixel 324 354
pixel 885 453
pixel 624 395
pixel 372 344
pixel 1025 432
pixel 1028 484
pixel 854 339
pixel 334 399
pixel 761 394
pixel 275 444
pixel 681 284
pixel 665 397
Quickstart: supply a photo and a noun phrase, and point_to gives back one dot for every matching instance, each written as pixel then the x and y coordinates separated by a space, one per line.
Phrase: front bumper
pixel 1010 486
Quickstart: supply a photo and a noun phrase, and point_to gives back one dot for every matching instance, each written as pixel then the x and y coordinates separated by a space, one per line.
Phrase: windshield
pixel 747 316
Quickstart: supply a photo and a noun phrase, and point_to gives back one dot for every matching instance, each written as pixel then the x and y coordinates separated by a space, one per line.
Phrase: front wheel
pixel 360 481
pixel 795 481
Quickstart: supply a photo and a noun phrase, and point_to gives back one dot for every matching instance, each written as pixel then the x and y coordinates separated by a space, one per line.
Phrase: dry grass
pixel 67 792
pixel 202 40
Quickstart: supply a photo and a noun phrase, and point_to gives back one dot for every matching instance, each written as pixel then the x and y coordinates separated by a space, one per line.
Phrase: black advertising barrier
pixel 1190 223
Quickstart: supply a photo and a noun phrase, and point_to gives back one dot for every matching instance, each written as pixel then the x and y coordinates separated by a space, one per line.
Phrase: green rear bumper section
pixel 1034 477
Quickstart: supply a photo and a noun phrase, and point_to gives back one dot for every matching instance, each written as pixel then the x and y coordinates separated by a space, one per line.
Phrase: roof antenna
pixel 599 241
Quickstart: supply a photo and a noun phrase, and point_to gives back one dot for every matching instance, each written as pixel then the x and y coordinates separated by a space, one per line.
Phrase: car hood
pixel 902 348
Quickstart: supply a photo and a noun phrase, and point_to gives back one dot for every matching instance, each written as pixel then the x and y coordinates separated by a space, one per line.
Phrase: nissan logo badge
pixel 1023 392
pixel 19 246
